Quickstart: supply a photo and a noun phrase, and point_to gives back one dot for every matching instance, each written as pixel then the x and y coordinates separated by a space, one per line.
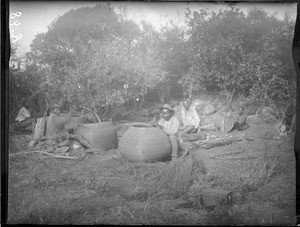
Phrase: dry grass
pixel 179 173
pixel 236 216
pixel 257 174
pixel 104 188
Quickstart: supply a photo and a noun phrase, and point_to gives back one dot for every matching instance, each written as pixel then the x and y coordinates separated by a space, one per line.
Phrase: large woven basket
pixel 145 144
pixel 100 135
pixel 64 117
pixel 57 122
pixel 223 121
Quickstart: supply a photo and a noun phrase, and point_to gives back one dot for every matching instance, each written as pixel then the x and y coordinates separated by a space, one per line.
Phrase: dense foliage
pixel 249 56
pixel 95 58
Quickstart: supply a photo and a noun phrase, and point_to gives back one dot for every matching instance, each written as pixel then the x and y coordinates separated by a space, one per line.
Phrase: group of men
pixel 34 112
pixel 175 127
pixel 188 122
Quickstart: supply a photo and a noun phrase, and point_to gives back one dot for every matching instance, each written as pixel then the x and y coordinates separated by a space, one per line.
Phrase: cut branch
pixel 93 113
pixel 42 152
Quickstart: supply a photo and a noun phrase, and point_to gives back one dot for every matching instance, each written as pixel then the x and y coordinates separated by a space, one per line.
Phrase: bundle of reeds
pixel 256 175
pixel 179 173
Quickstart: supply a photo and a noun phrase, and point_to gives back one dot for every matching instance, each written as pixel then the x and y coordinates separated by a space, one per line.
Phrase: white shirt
pixel 171 126
pixel 22 115
pixel 190 116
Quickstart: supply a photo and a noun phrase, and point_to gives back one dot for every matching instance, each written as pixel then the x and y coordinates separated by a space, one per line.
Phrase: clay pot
pixel 145 144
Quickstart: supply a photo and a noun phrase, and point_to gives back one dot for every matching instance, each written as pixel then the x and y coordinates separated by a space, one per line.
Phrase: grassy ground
pixel 104 188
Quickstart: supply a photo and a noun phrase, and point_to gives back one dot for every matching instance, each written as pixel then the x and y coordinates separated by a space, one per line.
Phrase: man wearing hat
pixel 39 109
pixel 170 125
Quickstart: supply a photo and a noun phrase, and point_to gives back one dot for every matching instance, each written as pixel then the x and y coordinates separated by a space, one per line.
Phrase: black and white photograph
pixel 152 113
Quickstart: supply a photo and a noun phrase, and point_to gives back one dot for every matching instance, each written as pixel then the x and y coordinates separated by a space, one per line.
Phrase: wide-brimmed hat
pixel 166 106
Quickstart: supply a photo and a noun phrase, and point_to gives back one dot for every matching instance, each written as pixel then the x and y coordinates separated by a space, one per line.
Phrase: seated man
pixel 23 119
pixel 240 119
pixel 170 125
pixel 189 117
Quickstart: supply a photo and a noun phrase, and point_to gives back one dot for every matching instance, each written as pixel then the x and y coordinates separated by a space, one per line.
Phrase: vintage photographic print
pixel 151 113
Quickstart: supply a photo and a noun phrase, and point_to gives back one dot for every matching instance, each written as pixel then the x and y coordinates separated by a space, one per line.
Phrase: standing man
pixel 170 125
pixel 189 117
pixel 40 110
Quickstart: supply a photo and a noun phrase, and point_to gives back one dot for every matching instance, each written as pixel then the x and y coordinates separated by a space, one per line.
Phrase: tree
pixel 226 48
pixel 171 45
pixel 68 42
pixel 24 77
pixel 111 73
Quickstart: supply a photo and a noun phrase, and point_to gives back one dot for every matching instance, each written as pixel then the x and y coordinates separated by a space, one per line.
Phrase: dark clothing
pixel 290 111
pixel 39 103
pixel 20 126
pixel 289 119
pixel 240 121
pixel 240 127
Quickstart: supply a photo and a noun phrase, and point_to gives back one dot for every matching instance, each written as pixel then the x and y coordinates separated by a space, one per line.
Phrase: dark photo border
pixel 5 54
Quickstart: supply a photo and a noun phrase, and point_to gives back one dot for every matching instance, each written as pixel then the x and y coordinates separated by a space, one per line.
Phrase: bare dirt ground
pixel 104 188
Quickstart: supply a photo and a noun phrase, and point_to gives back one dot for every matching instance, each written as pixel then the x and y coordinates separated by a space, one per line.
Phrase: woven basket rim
pixel 95 124
pixel 143 126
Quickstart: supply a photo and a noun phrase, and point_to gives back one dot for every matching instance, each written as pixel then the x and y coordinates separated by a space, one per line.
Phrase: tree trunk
pixel 229 96
pixel 134 104
pixel 190 91
pixel 142 101
pixel 185 92
pixel 161 95
pixel 167 92
pixel 223 140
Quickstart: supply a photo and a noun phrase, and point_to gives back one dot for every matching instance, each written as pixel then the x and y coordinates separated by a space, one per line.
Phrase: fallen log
pixel 211 126
pixel 222 141
pixel 42 152
pixel 194 137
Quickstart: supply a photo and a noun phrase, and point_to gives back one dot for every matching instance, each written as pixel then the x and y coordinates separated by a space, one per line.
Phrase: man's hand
pixel 159 126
